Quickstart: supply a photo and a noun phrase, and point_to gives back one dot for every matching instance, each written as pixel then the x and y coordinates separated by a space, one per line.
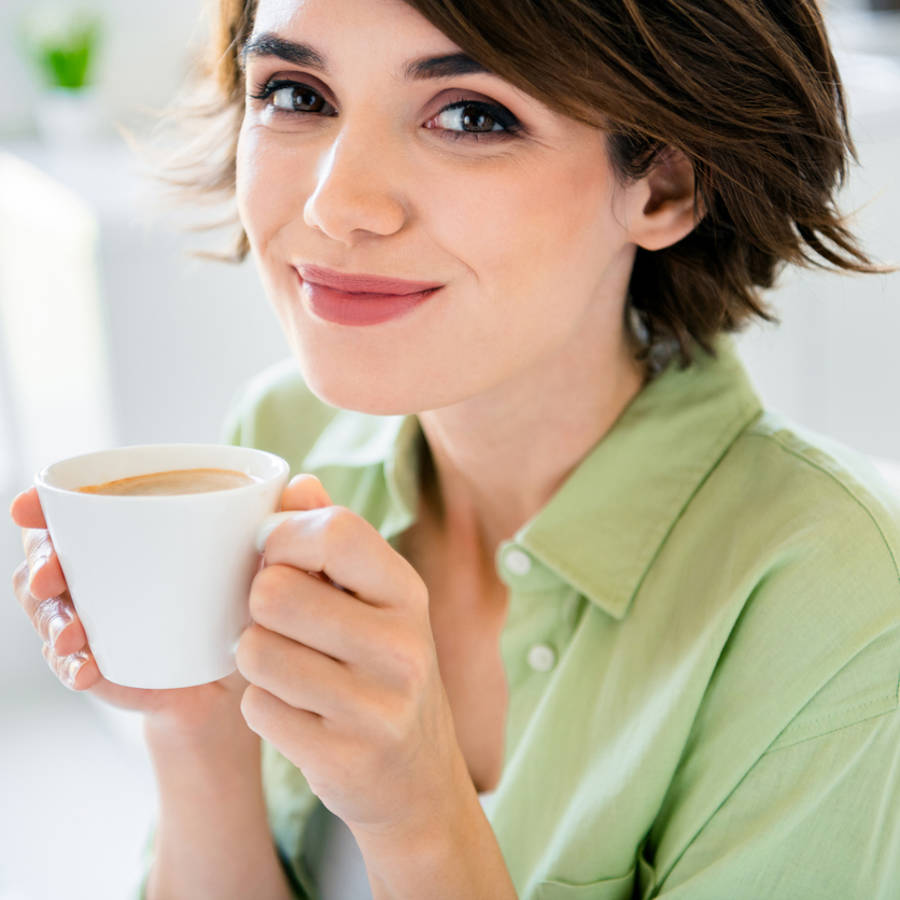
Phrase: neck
pixel 497 458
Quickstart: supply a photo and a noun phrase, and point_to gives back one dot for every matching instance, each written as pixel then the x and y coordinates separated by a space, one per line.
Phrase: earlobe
pixel 669 212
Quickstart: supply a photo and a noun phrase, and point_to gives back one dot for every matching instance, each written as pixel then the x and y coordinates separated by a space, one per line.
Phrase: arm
pixel 213 837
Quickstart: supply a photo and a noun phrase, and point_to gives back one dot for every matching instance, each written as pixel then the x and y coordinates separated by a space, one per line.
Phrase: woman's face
pixel 363 170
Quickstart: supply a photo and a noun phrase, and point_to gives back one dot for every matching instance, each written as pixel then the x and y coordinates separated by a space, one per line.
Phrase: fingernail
pixel 71 667
pixel 56 626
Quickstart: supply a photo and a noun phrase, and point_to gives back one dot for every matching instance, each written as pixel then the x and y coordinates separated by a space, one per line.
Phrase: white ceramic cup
pixel 161 582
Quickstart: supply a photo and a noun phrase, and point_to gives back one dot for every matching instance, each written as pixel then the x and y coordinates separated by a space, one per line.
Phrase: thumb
pixel 304 492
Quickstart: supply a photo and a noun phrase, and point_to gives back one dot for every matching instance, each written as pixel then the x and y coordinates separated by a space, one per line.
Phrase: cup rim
pixel 41 479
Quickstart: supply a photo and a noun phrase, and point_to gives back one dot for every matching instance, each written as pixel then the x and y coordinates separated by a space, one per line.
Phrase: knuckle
pixel 252 706
pixel 44 614
pixel 53 660
pixel 249 654
pixel 36 542
pixel 340 523
pixel 247 704
pixel 385 717
pixel 267 592
pixel 72 666
pixel 408 666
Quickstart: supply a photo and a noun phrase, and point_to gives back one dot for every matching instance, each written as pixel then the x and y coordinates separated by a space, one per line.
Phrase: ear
pixel 660 206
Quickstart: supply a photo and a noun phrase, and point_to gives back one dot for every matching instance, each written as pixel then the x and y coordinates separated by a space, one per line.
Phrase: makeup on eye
pixel 271 88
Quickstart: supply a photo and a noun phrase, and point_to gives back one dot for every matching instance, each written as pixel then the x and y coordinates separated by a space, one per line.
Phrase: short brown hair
pixel 748 91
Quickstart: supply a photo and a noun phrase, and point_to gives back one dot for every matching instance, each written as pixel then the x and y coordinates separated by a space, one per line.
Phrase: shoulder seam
pixel 844 487
pixel 884 706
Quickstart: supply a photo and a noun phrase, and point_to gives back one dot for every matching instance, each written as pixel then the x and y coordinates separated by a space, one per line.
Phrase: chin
pixel 381 383
pixel 356 392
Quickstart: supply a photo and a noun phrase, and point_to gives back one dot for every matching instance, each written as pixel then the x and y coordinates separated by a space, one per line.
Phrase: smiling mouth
pixel 342 307
pixel 363 284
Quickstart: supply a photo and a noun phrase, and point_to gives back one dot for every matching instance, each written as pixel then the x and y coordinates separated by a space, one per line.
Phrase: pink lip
pixel 363 284
pixel 347 308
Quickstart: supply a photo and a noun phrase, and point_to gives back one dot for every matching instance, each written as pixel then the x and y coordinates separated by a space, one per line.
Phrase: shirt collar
pixel 602 529
pixel 605 525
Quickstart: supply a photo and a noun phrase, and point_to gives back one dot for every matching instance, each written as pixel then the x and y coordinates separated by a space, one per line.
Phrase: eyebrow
pixel 447 66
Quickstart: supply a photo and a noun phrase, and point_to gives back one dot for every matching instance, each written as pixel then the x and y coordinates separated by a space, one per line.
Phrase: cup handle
pixel 268 525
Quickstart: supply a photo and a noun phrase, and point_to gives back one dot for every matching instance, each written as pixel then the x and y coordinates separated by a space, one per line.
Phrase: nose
pixel 356 187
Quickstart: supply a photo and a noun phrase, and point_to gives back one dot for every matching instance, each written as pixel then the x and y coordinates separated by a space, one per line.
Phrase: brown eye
pixel 290 97
pixel 475 119
pixel 297 98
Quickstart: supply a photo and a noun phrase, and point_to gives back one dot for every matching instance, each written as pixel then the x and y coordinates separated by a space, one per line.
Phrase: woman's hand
pixel 204 711
pixel 343 670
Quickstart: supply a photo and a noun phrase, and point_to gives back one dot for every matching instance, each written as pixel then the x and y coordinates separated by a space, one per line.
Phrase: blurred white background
pixel 123 339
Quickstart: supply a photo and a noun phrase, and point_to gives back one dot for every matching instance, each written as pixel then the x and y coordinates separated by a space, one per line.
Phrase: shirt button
pixel 518 562
pixel 541 657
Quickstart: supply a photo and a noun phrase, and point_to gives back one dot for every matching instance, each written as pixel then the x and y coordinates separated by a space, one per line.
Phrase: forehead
pixel 377 23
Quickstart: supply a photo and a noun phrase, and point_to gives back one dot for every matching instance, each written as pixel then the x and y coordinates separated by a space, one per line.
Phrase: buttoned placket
pixel 542 616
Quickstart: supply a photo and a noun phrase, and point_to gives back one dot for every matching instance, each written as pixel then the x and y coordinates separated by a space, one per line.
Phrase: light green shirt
pixel 702 647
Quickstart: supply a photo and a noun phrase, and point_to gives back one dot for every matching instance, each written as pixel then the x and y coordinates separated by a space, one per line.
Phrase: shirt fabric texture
pixel 702 647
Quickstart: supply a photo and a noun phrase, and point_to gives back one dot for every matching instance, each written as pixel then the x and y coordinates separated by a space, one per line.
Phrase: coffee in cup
pixel 175 481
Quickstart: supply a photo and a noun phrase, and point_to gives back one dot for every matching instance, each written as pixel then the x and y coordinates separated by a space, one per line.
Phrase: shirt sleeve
pixel 816 818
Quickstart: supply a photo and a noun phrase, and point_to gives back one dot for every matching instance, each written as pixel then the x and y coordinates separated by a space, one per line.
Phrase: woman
pixel 562 612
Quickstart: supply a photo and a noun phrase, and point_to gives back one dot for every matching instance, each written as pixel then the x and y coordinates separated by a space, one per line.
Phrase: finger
pixel 304 491
pixel 303 608
pixel 46 574
pixel 284 726
pixel 298 675
pixel 77 671
pixel 65 631
pixel 26 511
pixel 54 618
pixel 350 551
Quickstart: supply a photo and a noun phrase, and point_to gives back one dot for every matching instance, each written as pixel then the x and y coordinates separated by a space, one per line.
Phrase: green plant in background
pixel 62 44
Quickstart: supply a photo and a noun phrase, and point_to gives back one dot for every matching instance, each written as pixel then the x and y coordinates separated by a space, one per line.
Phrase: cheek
pixel 516 227
pixel 261 175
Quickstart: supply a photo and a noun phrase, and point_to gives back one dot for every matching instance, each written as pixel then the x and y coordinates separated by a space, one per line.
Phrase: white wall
pixel 833 363
pixel 141 61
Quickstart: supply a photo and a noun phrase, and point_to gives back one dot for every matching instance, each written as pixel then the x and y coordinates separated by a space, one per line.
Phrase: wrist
pixel 198 777
pixel 453 848
pixel 199 731
pixel 231 745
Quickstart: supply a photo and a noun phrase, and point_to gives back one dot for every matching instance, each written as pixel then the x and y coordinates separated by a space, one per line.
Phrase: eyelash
pixel 501 116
